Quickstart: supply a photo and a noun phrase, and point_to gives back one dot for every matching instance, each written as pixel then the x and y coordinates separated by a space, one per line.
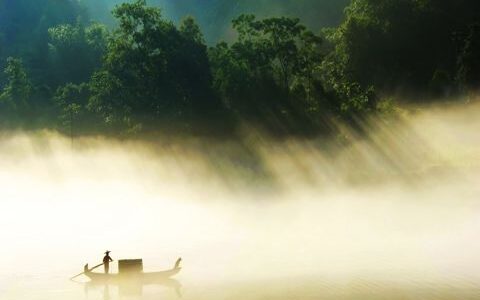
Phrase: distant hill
pixel 215 16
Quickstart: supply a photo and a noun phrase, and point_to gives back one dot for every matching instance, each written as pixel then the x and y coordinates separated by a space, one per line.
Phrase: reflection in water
pixel 129 288
pixel 106 293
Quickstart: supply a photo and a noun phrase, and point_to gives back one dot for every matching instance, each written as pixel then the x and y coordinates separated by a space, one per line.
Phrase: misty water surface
pixel 394 215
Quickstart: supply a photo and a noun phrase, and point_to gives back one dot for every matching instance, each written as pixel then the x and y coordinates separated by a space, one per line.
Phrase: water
pixel 392 216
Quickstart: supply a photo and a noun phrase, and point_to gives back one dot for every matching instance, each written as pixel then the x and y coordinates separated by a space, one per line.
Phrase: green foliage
pixel 191 31
pixel 215 16
pixel 71 101
pixel 147 74
pixel 14 99
pixel 270 72
pixel 152 71
pixel 468 74
pixel 24 31
pixel 346 96
pixel 76 51
pixel 406 46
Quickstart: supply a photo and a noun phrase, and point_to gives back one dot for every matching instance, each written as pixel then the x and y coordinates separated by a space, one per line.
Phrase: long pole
pixel 97 266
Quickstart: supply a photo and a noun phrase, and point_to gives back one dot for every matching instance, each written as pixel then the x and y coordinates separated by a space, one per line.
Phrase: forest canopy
pixel 66 70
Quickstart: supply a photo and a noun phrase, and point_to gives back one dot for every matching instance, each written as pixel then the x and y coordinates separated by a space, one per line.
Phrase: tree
pixel 469 60
pixel 215 15
pixel 407 47
pixel 71 101
pixel 270 73
pixel 282 35
pixel 15 95
pixel 76 51
pixel 152 72
pixel 191 31
pixel 24 30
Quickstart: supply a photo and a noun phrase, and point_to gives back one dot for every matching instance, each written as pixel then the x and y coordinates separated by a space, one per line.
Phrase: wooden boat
pixel 141 277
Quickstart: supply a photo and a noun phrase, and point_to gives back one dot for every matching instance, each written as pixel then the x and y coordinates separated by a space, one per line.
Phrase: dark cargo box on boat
pixel 130 266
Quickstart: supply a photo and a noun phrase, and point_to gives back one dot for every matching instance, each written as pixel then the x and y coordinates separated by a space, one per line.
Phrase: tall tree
pixel 272 58
pixel 152 71
pixel 14 98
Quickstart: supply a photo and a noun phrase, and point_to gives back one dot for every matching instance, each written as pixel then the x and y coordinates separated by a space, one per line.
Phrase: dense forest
pixel 64 69
pixel 215 16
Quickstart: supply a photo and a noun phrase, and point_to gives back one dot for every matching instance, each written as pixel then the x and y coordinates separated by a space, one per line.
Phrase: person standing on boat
pixel 106 261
